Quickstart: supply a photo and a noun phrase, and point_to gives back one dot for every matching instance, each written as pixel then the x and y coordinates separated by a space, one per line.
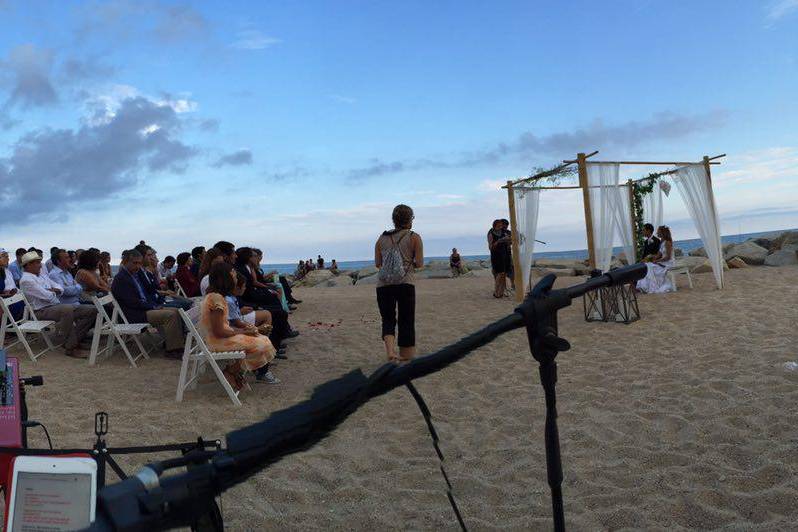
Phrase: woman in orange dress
pixel 220 336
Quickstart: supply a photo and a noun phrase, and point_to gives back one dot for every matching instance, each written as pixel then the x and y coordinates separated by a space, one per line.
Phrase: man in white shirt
pixel 73 321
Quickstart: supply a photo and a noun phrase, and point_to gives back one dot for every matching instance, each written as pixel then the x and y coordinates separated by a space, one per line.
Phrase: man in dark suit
pixel 140 306
pixel 651 246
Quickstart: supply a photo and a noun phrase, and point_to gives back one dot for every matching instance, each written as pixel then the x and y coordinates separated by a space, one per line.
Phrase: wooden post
pixel 630 184
pixel 581 161
pixel 708 168
pixel 517 273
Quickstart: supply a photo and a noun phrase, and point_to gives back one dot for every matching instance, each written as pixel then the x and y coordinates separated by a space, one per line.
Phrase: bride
pixel 656 280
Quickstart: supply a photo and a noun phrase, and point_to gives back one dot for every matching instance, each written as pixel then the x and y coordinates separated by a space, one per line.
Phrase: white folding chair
pixel 179 289
pixel 196 355
pixel 116 330
pixel 681 270
pixel 27 324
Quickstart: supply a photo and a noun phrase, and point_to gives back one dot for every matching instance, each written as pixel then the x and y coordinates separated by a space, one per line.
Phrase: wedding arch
pixel 609 206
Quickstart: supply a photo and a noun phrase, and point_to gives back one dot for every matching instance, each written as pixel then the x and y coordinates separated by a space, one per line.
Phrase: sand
pixel 685 419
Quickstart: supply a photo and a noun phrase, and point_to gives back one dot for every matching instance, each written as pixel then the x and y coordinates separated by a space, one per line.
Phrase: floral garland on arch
pixel 639 190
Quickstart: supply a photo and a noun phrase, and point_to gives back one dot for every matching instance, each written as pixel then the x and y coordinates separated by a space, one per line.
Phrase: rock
pixel 340 280
pixel 435 274
pixel 690 262
pixel 766 243
pixel 437 265
pixel 622 258
pixel 790 247
pixel 677 252
pixel 697 252
pixel 559 272
pixel 736 263
pixel 753 254
pixel 579 266
pixel 706 267
pixel 781 257
pixel 370 280
pixel 475 265
pixel 315 277
pixel 368 271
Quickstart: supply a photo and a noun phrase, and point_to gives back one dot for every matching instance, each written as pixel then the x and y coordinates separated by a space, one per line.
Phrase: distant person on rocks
pixel 320 262
pixel 334 267
pixel 456 263
pixel 499 245
pixel 397 254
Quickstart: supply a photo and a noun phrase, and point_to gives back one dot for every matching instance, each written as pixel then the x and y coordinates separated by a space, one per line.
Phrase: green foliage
pixel 554 176
pixel 639 190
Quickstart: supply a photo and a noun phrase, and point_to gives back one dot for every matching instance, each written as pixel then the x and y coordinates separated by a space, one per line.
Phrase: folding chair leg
pixel 95 340
pixel 25 343
pixel 3 330
pixel 111 344
pixel 689 279
pixel 123 345
pixel 142 351
pixel 181 381
pixel 223 381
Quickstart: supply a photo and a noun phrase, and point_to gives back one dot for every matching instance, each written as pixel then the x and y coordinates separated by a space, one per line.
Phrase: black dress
pixel 500 254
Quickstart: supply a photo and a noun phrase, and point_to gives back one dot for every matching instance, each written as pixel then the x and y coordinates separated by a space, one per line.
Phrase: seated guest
pixel 88 277
pixel 209 258
pixel 247 265
pixel 59 273
pixel 153 285
pixel 656 280
pixel 220 336
pixel 197 254
pixel 166 271
pixel 651 246
pixel 188 282
pixel 73 320
pixel 334 267
pixel 456 263
pixel 141 306
pixel 8 287
pixel 273 280
pixel 16 267
pixel 243 317
pixel 48 265
pixel 104 267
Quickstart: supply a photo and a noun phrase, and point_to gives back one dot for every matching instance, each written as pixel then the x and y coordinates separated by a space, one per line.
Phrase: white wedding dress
pixel 656 280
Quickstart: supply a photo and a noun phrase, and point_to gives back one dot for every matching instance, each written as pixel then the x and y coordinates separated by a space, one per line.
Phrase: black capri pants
pixel 401 297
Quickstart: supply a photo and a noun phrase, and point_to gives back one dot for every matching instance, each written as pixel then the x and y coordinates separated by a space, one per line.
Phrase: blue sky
pixel 297 126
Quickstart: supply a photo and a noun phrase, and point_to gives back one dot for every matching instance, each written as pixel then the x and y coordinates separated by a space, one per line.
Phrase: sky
pixel 297 126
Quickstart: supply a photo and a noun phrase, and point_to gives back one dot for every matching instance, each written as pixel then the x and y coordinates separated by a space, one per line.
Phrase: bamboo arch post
pixel 630 184
pixel 517 273
pixel 708 170
pixel 581 161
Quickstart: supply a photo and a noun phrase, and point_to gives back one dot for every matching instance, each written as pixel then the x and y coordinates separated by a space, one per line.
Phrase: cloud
pixel 179 22
pixel 780 8
pixel 102 104
pixel 765 165
pixel 50 170
pixel 29 67
pixel 210 125
pixel 237 158
pixel 253 40
pixel 79 70
pixel 343 99
pixel 597 135
pixel 294 173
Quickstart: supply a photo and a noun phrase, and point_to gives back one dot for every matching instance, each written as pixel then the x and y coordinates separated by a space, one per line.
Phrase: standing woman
pixel 397 254
pixel 499 245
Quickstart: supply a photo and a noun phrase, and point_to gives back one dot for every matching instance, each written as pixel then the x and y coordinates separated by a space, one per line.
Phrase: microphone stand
pixel 147 501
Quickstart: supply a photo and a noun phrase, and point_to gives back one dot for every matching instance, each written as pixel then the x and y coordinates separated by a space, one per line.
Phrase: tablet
pixel 52 493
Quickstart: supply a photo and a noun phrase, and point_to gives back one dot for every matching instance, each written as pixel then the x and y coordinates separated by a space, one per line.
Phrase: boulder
pixel 475 265
pixel 736 263
pixel 341 280
pixel 781 257
pixel 790 247
pixel 315 277
pixel 690 262
pixel 559 272
pixel 697 252
pixel 753 254
pixel 579 266
pixel 435 274
pixel 366 272
pixel 370 280
pixel 437 265
pixel 706 267
pixel 766 243
pixel 677 252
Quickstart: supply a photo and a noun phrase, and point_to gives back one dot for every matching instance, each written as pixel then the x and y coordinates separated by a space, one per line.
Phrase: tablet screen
pixel 52 501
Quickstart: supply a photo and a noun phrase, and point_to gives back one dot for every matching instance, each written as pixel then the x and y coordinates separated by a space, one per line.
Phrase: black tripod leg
pixel 548 378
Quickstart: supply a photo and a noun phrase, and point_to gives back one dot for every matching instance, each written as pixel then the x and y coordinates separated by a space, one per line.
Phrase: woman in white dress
pixel 656 280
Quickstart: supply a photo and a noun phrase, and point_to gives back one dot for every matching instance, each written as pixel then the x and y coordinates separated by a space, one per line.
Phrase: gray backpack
pixel 393 263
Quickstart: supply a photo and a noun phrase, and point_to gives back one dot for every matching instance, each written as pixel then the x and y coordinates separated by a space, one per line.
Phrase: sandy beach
pixel 684 419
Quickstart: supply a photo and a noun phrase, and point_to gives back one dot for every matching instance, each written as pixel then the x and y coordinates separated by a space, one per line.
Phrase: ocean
pixel 684 245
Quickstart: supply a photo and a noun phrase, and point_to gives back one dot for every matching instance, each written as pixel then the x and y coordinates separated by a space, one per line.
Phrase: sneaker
pixel 267 378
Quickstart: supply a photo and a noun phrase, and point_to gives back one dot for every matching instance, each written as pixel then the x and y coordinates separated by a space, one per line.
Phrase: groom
pixel 651 246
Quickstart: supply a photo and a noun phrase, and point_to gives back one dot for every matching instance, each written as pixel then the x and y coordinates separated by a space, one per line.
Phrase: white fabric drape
pixel 610 213
pixel 526 216
pixel 652 206
pixel 695 188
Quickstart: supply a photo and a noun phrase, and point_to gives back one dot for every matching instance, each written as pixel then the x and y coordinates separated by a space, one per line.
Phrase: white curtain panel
pixel 652 206
pixel 695 188
pixel 527 201
pixel 603 192
pixel 623 222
